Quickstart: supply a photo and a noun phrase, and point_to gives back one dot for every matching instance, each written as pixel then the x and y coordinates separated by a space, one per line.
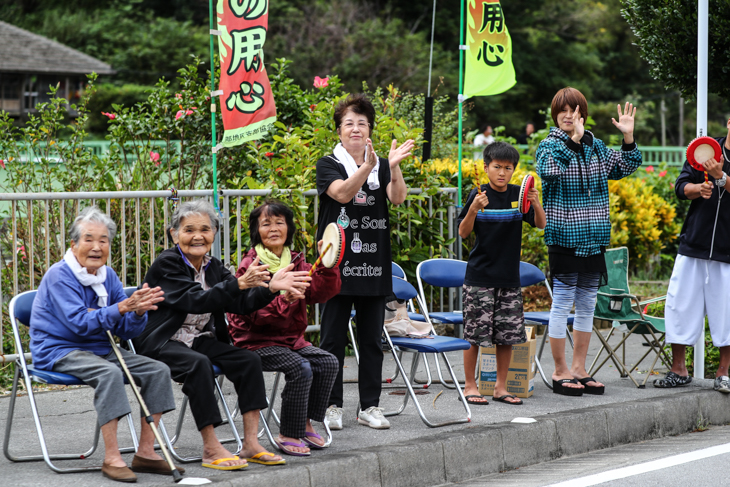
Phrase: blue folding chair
pixel 432 344
pixel 20 310
pixel 529 276
pixel 442 273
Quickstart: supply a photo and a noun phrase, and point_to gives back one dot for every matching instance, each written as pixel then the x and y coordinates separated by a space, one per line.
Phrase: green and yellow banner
pixel 489 69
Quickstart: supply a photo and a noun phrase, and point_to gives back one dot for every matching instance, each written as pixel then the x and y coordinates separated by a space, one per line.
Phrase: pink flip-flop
pixel 283 444
pixel 310 443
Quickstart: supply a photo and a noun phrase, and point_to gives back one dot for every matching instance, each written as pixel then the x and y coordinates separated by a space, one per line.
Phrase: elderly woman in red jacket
pixel 276 332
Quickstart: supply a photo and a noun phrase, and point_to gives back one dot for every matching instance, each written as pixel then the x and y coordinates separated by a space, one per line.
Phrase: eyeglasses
pixel 349 125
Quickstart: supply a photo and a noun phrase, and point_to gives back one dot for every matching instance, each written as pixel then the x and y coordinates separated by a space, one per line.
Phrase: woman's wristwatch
pixel 721 182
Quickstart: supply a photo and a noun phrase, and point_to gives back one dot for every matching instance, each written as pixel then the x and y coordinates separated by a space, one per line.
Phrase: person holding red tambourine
pixel 575 168
pixel 700 282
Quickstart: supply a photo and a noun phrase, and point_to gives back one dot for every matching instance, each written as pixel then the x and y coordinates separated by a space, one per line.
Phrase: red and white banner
pixel 247 103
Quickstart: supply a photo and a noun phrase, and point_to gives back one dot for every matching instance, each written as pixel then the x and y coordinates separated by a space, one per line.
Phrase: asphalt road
pixel 694 459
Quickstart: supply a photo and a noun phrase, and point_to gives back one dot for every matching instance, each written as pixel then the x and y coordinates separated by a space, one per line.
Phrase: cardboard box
pixel 521 375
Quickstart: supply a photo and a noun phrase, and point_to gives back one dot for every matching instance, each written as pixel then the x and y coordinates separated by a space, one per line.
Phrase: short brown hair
pixel 571 97
pixel 358 103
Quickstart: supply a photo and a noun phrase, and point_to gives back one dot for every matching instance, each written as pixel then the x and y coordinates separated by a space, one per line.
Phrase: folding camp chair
pixel 228 415
pixel 529 276
pixel 616 304
pixel 20 309
pixel 433 344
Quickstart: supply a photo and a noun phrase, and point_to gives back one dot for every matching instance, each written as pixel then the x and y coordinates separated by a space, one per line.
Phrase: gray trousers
pixel 105 375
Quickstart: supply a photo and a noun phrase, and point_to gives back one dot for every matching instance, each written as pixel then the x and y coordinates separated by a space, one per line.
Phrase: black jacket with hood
pixel 706 230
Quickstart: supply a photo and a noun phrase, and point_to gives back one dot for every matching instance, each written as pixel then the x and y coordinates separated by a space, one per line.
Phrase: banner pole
pixel 461 88
pixel 213 107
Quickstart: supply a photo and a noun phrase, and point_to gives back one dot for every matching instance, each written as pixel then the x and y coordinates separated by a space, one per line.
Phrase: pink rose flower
pixel 269 155
pixel 110 115
pixel 155 157
pixel 650 169
pixel 179 114
pixel 671 185
pixel 2 163
pixel 663 173
pixel 321 82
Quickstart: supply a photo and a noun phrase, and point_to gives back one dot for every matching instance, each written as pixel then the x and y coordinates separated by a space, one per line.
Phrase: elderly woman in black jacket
pixel 189 333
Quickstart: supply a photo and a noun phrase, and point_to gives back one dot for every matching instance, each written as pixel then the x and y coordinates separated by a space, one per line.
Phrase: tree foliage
pixel 666 32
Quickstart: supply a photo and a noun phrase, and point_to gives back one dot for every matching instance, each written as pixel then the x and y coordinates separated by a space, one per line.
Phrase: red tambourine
pixel 528 182
pixel 703 149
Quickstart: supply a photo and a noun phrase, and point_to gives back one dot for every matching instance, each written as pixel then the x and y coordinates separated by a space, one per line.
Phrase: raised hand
pixel 142 300
pixel 256 275
pixel 578 127
pixel 397 154
pixel 626 121
pixel 286 280
pixel 533 196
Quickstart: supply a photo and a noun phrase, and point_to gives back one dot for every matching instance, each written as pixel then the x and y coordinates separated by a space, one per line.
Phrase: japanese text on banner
pixel 489 68
pixel 247 104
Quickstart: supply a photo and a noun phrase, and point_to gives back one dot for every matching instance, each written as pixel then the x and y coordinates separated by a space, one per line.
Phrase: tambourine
pixel 528 182
pixel 703 149
pixel 333 247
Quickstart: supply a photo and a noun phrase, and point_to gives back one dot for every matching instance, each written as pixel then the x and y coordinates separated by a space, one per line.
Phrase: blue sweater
pixel 61 322
pixel 575 188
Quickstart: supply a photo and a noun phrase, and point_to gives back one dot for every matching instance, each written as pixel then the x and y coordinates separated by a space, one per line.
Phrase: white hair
pixel 92 214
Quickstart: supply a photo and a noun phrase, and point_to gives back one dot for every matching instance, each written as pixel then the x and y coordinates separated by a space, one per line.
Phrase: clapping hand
pixel 256 275
pixel 397 154
pixel 142 300
pixel 371 158
pixel 286 280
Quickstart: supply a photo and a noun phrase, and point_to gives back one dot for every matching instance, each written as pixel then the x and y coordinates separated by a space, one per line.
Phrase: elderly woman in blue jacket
pixel 575 167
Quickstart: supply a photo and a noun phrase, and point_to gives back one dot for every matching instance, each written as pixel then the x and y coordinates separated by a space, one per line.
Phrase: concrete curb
pixel 481 450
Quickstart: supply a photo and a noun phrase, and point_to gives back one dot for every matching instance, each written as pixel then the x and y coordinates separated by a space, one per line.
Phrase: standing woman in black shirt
pixel 354 186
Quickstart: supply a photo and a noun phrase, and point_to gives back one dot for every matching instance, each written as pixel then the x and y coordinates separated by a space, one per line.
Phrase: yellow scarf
pixel 268 257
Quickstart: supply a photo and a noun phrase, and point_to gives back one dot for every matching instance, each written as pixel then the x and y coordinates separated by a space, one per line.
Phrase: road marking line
pixel 621 473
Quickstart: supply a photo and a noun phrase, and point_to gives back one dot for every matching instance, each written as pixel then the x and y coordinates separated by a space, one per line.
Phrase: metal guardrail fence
pixel 671 155
pixel 142 218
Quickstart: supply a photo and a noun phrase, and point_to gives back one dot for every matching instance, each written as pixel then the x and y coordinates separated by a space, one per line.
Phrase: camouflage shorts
pixel 493 316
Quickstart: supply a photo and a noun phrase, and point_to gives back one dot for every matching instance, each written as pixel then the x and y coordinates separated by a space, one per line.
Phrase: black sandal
pixel 672 380
pixel 597 390
pixel 559 388
pixel 504 399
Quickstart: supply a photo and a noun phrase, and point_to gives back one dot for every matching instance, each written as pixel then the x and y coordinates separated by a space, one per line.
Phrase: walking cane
pixel 176 476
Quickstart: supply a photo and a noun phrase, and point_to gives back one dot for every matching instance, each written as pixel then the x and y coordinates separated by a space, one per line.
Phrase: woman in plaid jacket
pixel 575 168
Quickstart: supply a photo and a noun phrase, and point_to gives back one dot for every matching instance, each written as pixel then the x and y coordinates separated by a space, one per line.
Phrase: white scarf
pixel 344 158
pixel 96 281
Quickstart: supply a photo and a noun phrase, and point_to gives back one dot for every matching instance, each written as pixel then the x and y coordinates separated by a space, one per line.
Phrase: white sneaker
pixel 333 418
pixel 374 418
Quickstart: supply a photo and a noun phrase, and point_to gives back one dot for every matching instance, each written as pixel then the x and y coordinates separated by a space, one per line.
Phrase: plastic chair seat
pixel 543 317
pixel 436 344
pixel 50 377
pixel 447 317
pixel 416 316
